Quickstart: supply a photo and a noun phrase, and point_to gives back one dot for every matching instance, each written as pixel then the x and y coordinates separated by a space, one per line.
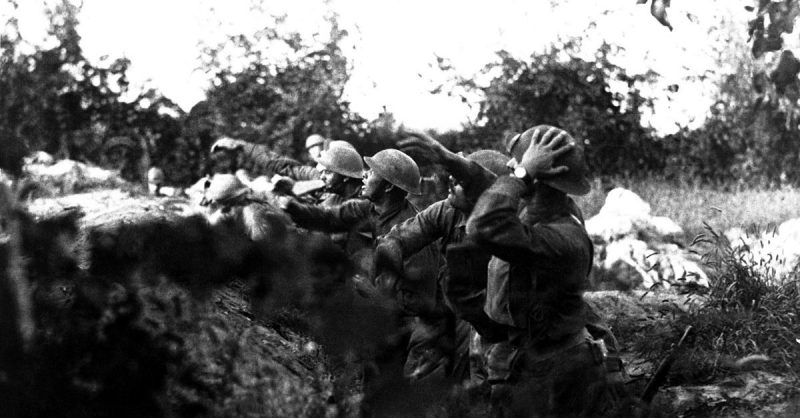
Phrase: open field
pixel 722 207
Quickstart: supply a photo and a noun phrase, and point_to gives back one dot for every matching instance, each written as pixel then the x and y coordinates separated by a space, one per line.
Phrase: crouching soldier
pixel 392 175
pixel 227 202
pixel 447 340
pixel 341 169
pixel 548 364
pixel 325 164
pixel 268 162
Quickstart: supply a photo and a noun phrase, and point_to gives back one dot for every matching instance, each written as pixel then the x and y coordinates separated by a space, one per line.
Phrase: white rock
pixel 39 157
pixel 789 232
pixel 99 174
pixel 622 266
pixel 774 254
pixel 625 214
pixel 70 167
pixel 633 247
pixel 58 169
pixel 610 227
pixel 662 227
pixel 676 268
pixel 624 202
pixel 631 263
pixel 736 236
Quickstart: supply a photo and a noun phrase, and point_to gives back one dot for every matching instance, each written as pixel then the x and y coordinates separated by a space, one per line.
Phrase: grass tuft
pixel 747 319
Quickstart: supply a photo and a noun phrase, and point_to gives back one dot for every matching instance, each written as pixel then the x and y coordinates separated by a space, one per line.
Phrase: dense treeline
pixel 55 99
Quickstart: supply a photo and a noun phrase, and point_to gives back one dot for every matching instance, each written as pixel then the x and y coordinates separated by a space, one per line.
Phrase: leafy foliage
pixel 56 100
pixel 750 130
pixel 287 89
pixel 557 87
pixel 748 309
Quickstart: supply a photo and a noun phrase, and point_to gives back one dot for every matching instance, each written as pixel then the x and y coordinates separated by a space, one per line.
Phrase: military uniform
pixel 464 295
pixel 415 293
pixel 266 162
pixel 445 341
pixel 548 364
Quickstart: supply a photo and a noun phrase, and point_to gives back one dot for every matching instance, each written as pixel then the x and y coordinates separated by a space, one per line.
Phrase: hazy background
pixel 393 44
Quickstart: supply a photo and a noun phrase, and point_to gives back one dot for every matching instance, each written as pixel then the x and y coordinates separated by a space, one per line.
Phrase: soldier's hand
pixel 226 143
pixel 546 146
pixel 420 144
pixel 388 257
pixel 282 185
pixel 385 284
pixel 284 202
pixel 364 286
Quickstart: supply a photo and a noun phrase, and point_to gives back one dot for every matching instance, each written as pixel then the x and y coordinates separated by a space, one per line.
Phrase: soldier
pixel 392 175
pixel 227 201
pixel 549 364
pixel 315 144
pixel 341 169
pixel 155 179
pixel 444 222
pixel 337 188
pixel 267 161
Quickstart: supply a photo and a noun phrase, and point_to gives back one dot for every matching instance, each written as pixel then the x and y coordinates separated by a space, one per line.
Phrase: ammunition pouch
pixel 464 289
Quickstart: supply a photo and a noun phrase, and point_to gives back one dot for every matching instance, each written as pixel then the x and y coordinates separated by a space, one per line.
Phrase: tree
pixel 274 87
pixel 56 100
pixel 556 87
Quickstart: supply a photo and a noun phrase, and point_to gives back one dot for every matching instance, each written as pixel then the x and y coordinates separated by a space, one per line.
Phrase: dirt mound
pixel 147 334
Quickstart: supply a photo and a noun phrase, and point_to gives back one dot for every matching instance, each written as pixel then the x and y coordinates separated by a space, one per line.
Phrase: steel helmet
pixel 224 188
pixel 315 140
pixel 397 168
pixel 342 160
pixel 339 143
pixel 494 161
pixel 575 181
pixel 155 175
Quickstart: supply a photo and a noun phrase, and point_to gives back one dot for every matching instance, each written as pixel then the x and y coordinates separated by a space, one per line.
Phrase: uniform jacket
pixel 539 266
pixel 417 292
pixel 441 221
pixel 268 162
pixel 463 277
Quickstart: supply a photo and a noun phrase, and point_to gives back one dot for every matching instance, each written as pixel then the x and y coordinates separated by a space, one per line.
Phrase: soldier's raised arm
pixel 471 175
pixel 494 223
pixel 266 159
pixel 342 218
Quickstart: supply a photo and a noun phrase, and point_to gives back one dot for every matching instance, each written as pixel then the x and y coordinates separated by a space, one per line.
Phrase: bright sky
pixel 395 42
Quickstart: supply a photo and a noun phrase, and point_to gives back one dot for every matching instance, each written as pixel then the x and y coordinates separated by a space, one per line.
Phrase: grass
pixel 691 205
pixel 746 320
pixel 745 312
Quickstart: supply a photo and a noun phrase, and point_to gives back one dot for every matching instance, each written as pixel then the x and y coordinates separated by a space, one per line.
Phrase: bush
pixel 746 320
pixel 748 310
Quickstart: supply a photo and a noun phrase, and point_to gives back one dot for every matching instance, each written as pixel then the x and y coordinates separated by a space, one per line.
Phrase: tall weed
pixel 749 310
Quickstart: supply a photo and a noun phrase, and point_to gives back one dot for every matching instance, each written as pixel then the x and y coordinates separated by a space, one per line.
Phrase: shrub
pixel 749 310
